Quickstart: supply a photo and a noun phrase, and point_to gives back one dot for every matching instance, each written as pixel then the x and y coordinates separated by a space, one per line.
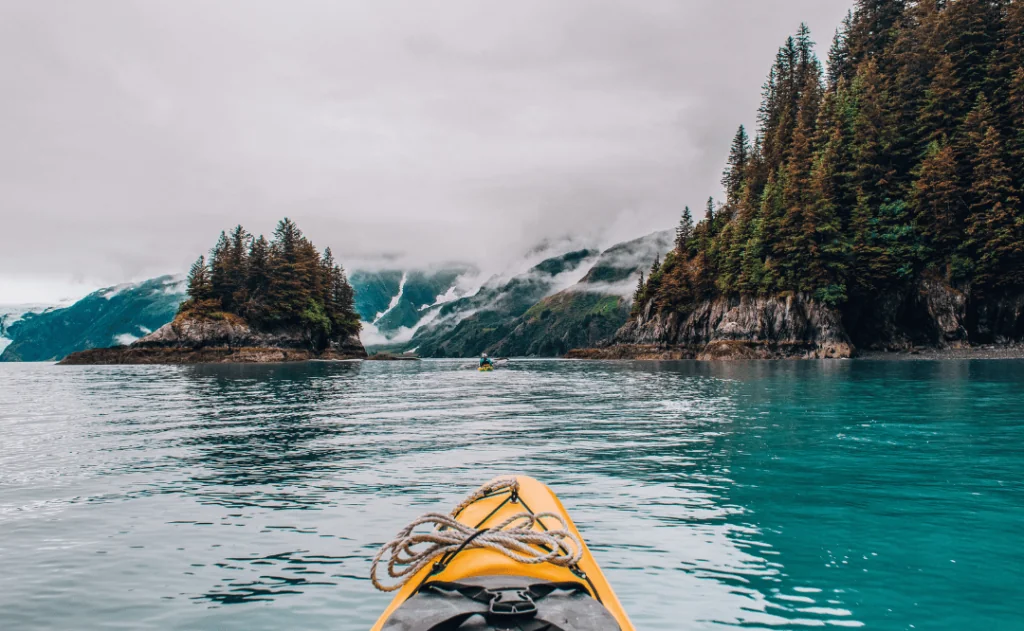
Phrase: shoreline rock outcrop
pixel 735 328
pixel 228 339
pixel 930 315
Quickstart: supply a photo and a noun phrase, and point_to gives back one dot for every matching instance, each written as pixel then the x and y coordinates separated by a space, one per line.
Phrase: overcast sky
pixel 132 132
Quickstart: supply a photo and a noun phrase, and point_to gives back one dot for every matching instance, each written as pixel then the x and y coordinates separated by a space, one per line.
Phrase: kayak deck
pixel 533 497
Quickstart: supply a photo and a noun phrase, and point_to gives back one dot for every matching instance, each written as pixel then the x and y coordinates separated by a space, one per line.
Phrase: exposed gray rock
pixel 947 310
pixel 744 328
pixel 195 340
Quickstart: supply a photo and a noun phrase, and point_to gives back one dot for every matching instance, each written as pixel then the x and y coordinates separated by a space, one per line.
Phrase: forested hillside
pixel 885 185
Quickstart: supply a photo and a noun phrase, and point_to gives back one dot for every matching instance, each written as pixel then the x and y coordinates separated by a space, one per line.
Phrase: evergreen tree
pixel 237 267
pixel 873 28
pixel 344 303
pixel 1007 61
pixel 288 293
pixel 828 252
pixel 1015 126
pixel 638 294
pixel 736 169
pixel 258 279
pixel 939 208
pixel 972 29
pixel 944 104
pixel 220 273
pixel 915 53
pixel 839 65
pixel 970 136
pixel 200 287
pixel 793 244
pixel 996 228
pixel 684 232
pixel 871 170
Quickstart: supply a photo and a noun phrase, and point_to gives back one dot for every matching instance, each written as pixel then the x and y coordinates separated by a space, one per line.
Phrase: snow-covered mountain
pixel 570 301
pixel 12 314
pixel 110 316
pixel 545 308
pixel 394 304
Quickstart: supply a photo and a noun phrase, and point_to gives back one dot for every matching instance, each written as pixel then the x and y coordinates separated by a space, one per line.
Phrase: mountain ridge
pixel 561 291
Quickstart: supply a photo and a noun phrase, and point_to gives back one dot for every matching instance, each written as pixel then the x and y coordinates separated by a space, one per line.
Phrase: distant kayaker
pixel 485 361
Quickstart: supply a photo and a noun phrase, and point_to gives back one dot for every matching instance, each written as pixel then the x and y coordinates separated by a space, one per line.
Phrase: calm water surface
pixel 760 495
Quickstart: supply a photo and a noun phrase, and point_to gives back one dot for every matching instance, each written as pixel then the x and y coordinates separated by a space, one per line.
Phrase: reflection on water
pixel 764 495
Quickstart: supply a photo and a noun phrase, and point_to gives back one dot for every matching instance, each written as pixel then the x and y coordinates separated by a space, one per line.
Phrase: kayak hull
pixel 533 496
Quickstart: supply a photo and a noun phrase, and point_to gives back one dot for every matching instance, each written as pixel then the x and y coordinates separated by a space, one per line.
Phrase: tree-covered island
pixel 254 300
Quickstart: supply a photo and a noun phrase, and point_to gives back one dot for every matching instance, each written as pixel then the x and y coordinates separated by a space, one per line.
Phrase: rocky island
pixel 254 301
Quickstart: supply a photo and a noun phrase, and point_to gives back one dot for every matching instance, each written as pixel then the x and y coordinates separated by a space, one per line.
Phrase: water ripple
pixel 761 495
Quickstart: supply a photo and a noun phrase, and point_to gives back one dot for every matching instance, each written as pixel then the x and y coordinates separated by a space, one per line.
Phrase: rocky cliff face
pixel 230 339
pixel 742 328
pixel 931 314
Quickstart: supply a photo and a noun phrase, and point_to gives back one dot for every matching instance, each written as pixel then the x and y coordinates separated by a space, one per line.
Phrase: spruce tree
pixel 1015 127
pixel 220 270
pixel 972 29
pixel 199 286
pixel 684 232
pixel 828 251
pixel 736 168
pixel 1006 62
pixel 839 66
pixel 237 270
pixel 257 281
pixel 638 294
pixel 938 205
pixel 343 301
pixel 793 243
pixel 944 103
pixel 970 136
pixel 996 225
pixel 915 54
pixel 289 294
pixel 873 28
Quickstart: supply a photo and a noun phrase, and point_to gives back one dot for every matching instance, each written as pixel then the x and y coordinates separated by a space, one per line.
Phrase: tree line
pixel 282 283
pixel 903 158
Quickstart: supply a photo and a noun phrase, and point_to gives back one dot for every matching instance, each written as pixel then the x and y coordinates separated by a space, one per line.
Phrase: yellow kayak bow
pixel 472 564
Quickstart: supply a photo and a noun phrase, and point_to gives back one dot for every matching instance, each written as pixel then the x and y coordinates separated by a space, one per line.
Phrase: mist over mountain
pixel 108 317
pixel 548 302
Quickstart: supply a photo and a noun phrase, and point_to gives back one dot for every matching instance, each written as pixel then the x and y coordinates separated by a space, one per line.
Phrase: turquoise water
pixel 882 495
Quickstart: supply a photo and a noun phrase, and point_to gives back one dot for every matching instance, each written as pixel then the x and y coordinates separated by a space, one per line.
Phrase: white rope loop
pixel 516 538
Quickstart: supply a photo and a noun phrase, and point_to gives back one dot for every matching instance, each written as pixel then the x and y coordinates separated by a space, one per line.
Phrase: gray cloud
pixel 131 132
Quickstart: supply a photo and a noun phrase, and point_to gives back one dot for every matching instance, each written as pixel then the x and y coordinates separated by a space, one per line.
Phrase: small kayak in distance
pixel 476 584
pixel 486 368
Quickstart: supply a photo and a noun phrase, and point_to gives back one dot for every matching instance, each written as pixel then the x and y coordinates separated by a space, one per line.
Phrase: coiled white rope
pixel 515 537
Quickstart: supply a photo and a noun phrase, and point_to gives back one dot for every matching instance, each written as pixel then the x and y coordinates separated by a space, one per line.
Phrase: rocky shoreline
pixel 931 320
pixel 745 351
pixel 219 341
pixel 214 355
